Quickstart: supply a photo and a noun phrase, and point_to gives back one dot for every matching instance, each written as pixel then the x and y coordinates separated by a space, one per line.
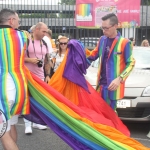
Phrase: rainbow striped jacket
pixel 120 62
pixel 12 48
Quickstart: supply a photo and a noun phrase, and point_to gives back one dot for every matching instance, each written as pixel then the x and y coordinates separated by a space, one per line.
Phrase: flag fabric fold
pixel 81 118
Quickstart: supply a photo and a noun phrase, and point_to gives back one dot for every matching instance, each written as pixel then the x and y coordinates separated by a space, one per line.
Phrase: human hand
pixel 55 50
pixel 34 60
pixel 115 84
pixel 47 79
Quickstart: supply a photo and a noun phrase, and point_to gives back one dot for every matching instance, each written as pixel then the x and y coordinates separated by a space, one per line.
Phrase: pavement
pixel 38 140
pixel 48 140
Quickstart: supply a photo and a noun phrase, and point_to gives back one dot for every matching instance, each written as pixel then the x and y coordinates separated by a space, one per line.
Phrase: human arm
pixel 129 61
pixel 115 84
pixel 31 60
pixel 47 66
pixel 129 64
pixel 96 52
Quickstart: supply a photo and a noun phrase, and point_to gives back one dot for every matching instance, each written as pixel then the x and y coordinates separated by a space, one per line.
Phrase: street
pixel 47 140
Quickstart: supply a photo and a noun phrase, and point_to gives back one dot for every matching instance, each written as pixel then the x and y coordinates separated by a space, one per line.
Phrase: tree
pixel 145 2
pixel 68 2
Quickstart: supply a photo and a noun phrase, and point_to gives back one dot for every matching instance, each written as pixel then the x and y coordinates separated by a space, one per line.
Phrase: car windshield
pixel 141 56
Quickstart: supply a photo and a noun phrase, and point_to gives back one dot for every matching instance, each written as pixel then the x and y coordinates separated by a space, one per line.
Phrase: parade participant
pixel 35 61
pixel 58 56
pixel 115 63
pixel 145 43
pixel 13 84
pixel 49 35
pixel 132 40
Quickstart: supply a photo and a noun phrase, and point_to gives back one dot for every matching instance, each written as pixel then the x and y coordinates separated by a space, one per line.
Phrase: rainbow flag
pixel 82 119
pixel 84 9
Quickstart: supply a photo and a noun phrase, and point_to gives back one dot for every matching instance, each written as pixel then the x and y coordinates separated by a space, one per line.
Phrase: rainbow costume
pixel 12 48
pixel 120 62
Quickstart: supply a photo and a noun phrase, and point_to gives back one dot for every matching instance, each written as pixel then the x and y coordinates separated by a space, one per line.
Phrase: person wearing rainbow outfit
pixel 115 59
pixel 14 99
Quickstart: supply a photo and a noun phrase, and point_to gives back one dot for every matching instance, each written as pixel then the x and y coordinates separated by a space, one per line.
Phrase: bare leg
pixel 8 143
pixel 13 133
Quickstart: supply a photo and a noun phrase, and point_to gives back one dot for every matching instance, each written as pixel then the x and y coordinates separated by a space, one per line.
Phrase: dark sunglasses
pixel 63 43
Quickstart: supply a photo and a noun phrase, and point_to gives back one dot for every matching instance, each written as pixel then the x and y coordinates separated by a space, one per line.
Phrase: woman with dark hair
pixel 132 40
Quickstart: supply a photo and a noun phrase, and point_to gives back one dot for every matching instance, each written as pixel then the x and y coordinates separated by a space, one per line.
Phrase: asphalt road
pixel 47 140
pixel 139 132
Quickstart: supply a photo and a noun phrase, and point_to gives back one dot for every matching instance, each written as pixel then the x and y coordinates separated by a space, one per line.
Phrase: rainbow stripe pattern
pixel 72 123
pixel 120 62
pixel 82 119
pixel 12 48
pixel 84 9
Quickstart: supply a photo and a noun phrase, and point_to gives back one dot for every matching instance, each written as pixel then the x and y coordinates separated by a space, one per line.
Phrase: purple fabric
pixel 43 119
pixel 103 80
pixel 76 64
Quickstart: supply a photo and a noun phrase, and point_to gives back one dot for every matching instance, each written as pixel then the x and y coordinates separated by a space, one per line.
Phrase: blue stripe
pixel 65 127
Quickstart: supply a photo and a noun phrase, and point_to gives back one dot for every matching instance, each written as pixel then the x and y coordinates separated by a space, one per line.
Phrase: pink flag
pixel 90 12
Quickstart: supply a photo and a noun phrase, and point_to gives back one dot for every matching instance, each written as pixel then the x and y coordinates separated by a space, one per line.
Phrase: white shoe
pixel 39 126
pixel 28 130
pixel 148 135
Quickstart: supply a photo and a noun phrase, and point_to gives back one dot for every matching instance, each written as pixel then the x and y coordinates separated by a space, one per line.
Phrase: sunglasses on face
pixel 63 43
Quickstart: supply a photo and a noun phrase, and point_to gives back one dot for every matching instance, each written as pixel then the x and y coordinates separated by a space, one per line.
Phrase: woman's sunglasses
pixel 63 43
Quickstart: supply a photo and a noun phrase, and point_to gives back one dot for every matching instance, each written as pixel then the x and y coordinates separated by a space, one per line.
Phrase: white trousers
pixel 11 94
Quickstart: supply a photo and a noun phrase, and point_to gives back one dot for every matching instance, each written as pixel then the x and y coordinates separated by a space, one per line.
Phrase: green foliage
pixel 68 2
pixel 145 2
pixel 38 15
pixel 66 15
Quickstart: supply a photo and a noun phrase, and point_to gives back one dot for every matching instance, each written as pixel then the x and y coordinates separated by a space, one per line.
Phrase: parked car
pixel 135 106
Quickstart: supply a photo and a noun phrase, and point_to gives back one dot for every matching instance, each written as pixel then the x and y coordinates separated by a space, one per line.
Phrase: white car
pixel 135 106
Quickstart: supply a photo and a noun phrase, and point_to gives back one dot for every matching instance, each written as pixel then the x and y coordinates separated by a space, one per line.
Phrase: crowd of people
pixel 43 57
pixel 144 43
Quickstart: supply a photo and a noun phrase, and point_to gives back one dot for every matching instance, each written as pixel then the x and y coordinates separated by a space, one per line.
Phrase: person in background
pixel 132 40
pixel 45 38
pixel 58 56
pixel 115 61
pixel 37 53
pixel 31 29
pixel 49 35
pixel 14 99
pixel 145 43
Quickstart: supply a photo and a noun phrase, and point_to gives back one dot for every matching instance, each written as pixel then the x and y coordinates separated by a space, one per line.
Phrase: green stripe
pixel 77 126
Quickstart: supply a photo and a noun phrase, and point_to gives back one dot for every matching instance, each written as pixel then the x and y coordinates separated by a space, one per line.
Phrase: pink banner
pixel 90 12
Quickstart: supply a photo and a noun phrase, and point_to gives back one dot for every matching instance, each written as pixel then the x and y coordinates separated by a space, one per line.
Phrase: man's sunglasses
pixel 63 43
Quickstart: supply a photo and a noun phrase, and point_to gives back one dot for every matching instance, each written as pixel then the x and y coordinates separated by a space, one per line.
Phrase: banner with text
pixel 90 12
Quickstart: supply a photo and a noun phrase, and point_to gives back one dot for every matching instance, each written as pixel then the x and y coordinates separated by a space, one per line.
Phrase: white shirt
pixel 49 45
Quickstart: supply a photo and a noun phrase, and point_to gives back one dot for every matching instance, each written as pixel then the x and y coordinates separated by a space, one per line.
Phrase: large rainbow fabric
pixel 12 47
pixel 82 119
pixel 84 9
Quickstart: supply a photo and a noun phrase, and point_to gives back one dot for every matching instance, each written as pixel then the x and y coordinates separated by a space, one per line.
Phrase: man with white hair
pixel 35 60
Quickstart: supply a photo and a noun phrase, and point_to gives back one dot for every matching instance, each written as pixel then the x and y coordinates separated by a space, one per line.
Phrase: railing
pixel 60 19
